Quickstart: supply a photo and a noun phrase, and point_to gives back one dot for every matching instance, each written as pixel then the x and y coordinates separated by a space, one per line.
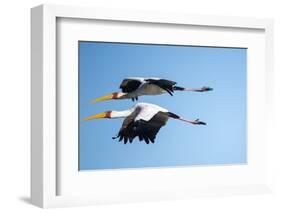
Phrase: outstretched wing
pixel 127 131
pixel 166 85
pixel 130 85
pixel 145 130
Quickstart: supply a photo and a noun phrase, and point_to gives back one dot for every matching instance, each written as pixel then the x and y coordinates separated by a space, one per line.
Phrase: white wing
pixel 147 111
pixel 141 79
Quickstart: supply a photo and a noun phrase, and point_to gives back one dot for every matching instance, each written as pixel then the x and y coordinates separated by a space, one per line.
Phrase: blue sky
pixel 102 67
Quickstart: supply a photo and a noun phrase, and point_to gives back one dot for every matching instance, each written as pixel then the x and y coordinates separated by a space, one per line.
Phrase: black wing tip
pixel 169 91
pixel 135 98
pixel 125 140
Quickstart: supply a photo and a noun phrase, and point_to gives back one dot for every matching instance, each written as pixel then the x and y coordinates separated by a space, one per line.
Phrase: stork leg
pixel 202 89
pixel 195 122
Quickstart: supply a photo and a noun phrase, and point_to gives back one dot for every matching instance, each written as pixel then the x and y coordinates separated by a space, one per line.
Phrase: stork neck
pixel 121 114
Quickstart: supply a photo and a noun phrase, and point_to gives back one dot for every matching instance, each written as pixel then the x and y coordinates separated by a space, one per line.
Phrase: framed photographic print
pixel 130 106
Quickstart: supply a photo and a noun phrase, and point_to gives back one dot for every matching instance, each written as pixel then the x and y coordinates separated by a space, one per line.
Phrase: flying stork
pixel 132 88
pixel 144 120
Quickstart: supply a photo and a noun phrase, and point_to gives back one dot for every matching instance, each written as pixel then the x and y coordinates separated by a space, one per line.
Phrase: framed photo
pixel 130 106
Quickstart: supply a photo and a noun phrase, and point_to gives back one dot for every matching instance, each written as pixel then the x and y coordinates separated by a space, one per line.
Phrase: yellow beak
pixel 103 98
pixel 100 115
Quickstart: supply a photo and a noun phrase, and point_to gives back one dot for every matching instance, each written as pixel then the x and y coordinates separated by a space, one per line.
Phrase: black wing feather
pixel 144 130
pixel 167 85
pixel 130 85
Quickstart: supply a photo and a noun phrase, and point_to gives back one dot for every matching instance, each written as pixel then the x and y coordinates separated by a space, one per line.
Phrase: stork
pixel 143 120
pixel 132 88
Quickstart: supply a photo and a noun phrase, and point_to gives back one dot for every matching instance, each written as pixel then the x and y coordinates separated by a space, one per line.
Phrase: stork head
pixel 115 95
pixel 111 114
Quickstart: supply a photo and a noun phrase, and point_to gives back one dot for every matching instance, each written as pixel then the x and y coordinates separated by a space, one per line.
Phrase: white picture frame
pixel 46 166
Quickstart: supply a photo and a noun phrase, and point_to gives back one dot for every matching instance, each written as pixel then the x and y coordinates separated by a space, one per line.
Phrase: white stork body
pixel 147 89
pixel 144 120
pixel 140 89
pixel 147 111
pixel 134 87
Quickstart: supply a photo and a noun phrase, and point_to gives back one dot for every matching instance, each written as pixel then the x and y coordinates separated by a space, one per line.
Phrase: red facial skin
pixel 108 114
pixel 115 95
